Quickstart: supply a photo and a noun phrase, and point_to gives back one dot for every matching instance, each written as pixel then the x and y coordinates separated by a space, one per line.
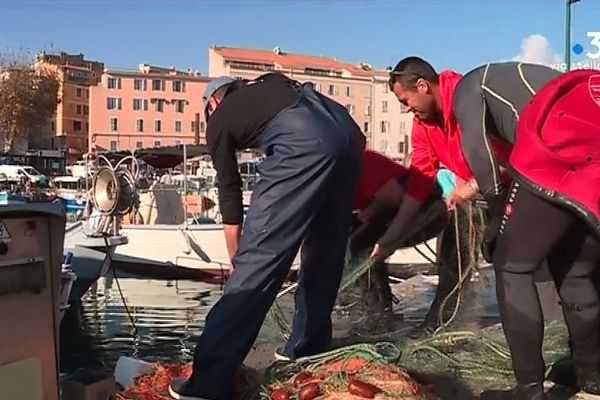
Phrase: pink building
pixel 150 107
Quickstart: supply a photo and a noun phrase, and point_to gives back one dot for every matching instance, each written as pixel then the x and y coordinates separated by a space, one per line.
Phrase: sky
pixel 451 34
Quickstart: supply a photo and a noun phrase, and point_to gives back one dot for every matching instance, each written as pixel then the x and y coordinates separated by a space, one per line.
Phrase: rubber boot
pixel 532 391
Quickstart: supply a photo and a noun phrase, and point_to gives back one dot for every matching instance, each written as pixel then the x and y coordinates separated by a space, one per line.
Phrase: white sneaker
pixel 175 386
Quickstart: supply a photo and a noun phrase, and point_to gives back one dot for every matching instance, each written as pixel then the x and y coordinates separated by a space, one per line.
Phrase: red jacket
pixel 557 152
pixel 434 146
pixel 376 171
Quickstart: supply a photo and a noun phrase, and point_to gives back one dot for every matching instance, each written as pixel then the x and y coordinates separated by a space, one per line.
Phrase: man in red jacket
pixel 381 189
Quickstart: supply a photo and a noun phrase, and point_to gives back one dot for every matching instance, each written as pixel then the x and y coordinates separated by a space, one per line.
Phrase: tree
pixel 28 98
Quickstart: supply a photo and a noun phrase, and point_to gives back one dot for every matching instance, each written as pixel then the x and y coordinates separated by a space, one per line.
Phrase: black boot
pixel 588 379
pixel 532 391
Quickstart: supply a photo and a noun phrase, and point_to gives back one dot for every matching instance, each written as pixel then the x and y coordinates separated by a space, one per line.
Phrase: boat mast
pixel 185 205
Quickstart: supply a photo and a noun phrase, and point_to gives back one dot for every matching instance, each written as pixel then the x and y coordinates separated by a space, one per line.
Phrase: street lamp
pixel 568 34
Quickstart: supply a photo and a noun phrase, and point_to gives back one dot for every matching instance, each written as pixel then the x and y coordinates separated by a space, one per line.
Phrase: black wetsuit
pixel 487 104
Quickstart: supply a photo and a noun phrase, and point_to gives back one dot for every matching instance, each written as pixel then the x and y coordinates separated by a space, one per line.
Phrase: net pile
pixel 384 370
pixel 354 372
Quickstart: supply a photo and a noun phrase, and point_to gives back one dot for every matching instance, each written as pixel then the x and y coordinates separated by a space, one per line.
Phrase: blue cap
pixel 213 86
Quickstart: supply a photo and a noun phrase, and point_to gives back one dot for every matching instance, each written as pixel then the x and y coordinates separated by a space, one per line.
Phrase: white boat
pixel 177 237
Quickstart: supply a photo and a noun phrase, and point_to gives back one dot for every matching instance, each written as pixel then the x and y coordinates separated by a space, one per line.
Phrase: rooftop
pixel 153 71
pixel 279 59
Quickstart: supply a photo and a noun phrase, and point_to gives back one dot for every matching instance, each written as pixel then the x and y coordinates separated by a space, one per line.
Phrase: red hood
pixel 448 82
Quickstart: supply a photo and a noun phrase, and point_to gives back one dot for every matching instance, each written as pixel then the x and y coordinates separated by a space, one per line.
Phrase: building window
pixel 139 125
pixel 177 126
pixel 179 105
pixel 77 126
pixel 114 83
pixel 384 126
pixel 139 84
pixel 193 126
pixel 402 127
pixel 139 144
pixel 350 108
pixel 52 126
pixel 86 110
pixel 87 93
pixel 159 105
pixel 386 88
pixel 178 143
pixel 401 147
pixel 179 86
pixel 158 84
pixel 114 124
pixel 140 104
pixel 157 143
pixel 202 126
pixel 157 125
pixel 113 145
pixel 333 90
pixel 349 91
pixel 317 87
pixel 403 108
pixel 368 110
pixel 87 127
pixel 113 103
pixel 78 92
pixel 366 127
pixel 79 109
pixel 384 106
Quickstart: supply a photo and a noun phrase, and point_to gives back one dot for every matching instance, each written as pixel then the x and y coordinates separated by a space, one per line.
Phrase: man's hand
pixel 376 253
pixel 462 193
pixel 232 239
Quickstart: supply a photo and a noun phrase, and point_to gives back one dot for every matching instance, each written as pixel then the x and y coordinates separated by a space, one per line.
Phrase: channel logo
pixel 594 51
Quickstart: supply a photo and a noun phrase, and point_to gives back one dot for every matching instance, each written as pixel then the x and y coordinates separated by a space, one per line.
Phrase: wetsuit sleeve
pixel 424 165
pixel 474 121
pixel 223 154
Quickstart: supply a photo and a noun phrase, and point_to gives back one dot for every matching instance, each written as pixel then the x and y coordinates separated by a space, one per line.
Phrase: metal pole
pixel 185 205
pixel 568 37
pixel 568 34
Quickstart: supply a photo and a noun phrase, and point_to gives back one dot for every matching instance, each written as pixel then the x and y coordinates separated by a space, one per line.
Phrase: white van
pixel 16 172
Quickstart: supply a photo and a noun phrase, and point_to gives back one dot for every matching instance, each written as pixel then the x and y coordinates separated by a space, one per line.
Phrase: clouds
pixel 536 49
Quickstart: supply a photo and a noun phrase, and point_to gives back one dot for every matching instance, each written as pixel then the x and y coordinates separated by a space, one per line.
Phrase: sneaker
pixel 178 391
pixel 281 355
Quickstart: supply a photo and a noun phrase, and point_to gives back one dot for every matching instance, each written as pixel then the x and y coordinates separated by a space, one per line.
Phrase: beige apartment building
pixel 392 125
pixel 360 88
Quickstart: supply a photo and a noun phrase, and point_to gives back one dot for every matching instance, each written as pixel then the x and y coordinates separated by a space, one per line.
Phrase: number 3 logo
pixel 595 42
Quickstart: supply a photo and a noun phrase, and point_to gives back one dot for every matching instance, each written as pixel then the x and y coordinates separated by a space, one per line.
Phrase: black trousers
pixel 536 230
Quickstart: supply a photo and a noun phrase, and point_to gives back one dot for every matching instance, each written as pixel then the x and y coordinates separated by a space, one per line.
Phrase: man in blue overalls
pixel 304 196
